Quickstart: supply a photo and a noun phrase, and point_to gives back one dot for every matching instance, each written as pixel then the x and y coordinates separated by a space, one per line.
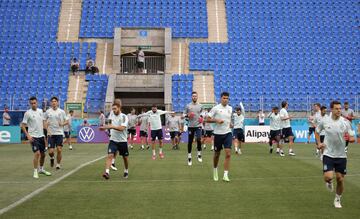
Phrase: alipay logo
pixel 86 134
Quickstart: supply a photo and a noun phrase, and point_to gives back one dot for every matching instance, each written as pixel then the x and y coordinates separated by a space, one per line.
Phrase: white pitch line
pixel 105 52
pixel 36 192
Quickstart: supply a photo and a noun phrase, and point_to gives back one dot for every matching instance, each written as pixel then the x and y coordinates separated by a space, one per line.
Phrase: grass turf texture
pixel 262 186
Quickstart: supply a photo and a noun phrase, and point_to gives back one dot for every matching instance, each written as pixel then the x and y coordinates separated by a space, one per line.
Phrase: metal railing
pixel 152 65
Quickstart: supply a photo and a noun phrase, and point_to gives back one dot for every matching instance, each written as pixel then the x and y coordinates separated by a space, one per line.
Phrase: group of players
pixel 224 126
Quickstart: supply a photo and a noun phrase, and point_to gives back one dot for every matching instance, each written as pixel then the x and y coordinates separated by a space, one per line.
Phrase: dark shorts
pixel 156 133
pixel 140 64
pixel 239 135
pixel 208 133
pixel 275 133
pixel 174 134
pixel 195 131
pixel 311 130
pixel 132 132
pixel 143 134
pixel 261 124
pixel 322 138
pixel 38 144
pixel 222 141
pixel 202 132
pixel 122 147
pixel 337 164
pixel 67 134
pixel 287 132
pixel 56 140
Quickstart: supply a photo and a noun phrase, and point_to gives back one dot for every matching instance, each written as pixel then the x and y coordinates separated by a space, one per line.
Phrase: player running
pixel 118 140
pixel 68 129
pixel 238 124
pixel 208 129
pixel 132 127
pixel 286 127
pixel 192 112
pixel 174 126
pixel 143 122
pixel 275 131
pixel 55 120
pixel 348 114
pixel 34 120
pixel 221 116
pixel 334 157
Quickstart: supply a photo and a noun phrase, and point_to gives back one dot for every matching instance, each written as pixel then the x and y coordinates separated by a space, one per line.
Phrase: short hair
pixel 317 104
pixel 323 108
pixel 101 111
pixel 116 104
pixel 334 102
pixel 144 109
pixel 283 104
pixel 71 111
pixel 225 93
pixel 194 92
pixel 117 100
pixel 54 98
pixel 154 105
pixel 275 108
pixel 32 98
pixel 237 108
pixel 346 103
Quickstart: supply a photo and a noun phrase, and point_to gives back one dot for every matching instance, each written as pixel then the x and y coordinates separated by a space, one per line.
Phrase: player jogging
pixel 238 124
pixel 275 131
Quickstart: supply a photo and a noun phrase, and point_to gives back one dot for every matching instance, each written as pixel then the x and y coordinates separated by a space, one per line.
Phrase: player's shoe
pixel 282 154
pixel 226 178
pixel 271 150
pixel 337 203
pixel 36 175
pixel 277 150
pixel 131 147
pixel 46 173
pixel 204 146
pixel 212 148
pixel 70 147
pixel 329 186
pixel 58 167
pixel 147 147
pixel 199 158
pixel 153 157
pixel 113 167
pixel 52 161
pixel 126 175
pixel 142 147
pixel 239 151
pixel 291 153
pixel 189 162
pixel 317 152
pixel 106 176
pixel 236 151
pixel 215 174
pixel 46 148
pixel 161 155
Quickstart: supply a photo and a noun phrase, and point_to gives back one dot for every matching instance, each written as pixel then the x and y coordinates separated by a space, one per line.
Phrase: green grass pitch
pixel 262 186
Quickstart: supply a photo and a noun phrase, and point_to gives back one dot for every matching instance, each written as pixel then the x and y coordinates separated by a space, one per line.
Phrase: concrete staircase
pixel 104 57
pixel 217 26
pixel 69 22
pixel 77 88
pixel 204 85
pixel 180 56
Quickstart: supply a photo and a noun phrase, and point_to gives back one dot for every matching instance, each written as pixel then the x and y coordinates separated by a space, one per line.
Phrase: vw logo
pixel 86 134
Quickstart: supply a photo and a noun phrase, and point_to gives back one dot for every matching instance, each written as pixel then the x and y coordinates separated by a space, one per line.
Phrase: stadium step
pixel 217 26
pixel 180 56
pixel 204 85
pixel 69 21
pixel 77 88
pixel 104 57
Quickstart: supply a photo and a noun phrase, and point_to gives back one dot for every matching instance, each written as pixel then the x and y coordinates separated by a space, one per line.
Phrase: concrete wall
pixel 133 82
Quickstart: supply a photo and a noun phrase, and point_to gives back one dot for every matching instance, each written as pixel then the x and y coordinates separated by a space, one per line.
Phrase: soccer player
pixel 312 126
pixel 238 124
pixel 144 127
pixel 132 127
pixel 317 115
pixel 111 114
pixel 348 114
pixel 67 129
pixel 156 129
pixel 334 157
pixel 192 112
pixel 208 128
pixel 221 116
pixel 34 120
pixel 318 121
pixel 275 131
pixel 286 127
pixel 118 139
pixel 174 126
pixel 55 120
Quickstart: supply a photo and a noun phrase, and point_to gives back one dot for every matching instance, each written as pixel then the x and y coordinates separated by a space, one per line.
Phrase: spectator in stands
pixel 140 60
pixel 261 117
pixel 102 118
pixel 6 117
pixel 94 70
pixel 75 65
pixel 89 65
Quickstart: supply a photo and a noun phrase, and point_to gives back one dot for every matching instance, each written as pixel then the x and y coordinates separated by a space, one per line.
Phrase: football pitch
pixel 262 185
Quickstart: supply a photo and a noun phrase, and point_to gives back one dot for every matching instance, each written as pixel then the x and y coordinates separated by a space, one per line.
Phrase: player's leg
pixel 153 138
pixel 236 144
pixel 36 163
pixel 191 135
pixel 113 161
pixel 216 161
pixel 112 149
pixel 227 148
pixel 51 150
pixel 160 137
pixel 339 189
pixel 271 139
pixel 41 145
pixel 279 145
pixel 290 136
pixel 309 135
pixel 59 145
pixel 198 141
pixel 124 152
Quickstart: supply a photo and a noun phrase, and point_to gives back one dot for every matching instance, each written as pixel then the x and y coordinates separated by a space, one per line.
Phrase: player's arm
pixel 23 127
pixel 7 116
pixel 350 131
pixel 318 129
pixel 283 117
pixel 210 118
